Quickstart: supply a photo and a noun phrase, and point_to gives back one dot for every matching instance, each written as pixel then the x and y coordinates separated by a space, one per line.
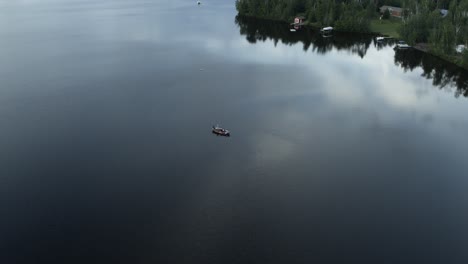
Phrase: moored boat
pixel 380 38
pixel 326 30
pixel 402 45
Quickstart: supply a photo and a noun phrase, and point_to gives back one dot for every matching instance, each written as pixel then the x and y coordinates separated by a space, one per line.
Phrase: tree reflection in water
pixel 262 30
pixel 443 74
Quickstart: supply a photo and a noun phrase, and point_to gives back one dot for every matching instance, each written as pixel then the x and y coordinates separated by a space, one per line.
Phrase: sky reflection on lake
pixel 342 150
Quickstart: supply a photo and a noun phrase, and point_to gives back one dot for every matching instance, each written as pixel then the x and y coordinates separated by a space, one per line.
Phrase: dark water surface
pixel 342 150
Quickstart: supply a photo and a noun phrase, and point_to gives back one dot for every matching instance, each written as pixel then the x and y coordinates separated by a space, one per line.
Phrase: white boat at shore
pixel 402 45
pixel 380 38
pixel 326 30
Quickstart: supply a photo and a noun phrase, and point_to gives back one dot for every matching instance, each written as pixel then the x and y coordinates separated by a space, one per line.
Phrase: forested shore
pixel 441 25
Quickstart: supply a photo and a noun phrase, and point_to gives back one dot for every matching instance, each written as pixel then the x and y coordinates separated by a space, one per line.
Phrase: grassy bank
pixel 456 59
pixel 386 27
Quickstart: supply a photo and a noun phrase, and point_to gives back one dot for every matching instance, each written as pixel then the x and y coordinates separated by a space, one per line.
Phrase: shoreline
pixel 425 47
pixel 422 47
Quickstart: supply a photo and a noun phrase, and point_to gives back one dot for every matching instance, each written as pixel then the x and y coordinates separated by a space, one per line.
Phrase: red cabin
pixel 299 20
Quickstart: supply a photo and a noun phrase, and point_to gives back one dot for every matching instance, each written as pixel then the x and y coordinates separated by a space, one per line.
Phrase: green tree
pixel 443 38
pixel 458 14
pixel 325 12
pixel 353 19
pixel 419 21
pixel 371 9
pixel 386 14
pixel 465 58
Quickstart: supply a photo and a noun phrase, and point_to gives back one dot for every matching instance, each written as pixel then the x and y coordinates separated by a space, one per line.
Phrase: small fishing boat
pixel 220 131
pixel 198 3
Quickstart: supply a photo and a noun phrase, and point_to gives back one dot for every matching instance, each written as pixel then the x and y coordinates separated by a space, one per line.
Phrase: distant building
pixel 394 11
pixel 298 23
pixel 443 12
pixel 299 20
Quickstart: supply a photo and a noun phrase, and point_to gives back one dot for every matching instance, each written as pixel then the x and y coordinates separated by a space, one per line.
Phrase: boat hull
pixel 221 133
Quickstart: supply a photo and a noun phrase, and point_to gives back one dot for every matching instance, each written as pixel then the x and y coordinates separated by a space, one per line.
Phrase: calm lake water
pixel 342 150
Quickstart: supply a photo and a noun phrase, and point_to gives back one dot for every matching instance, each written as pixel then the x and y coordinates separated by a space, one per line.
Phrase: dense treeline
pixel 423 23
pixel 344 15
